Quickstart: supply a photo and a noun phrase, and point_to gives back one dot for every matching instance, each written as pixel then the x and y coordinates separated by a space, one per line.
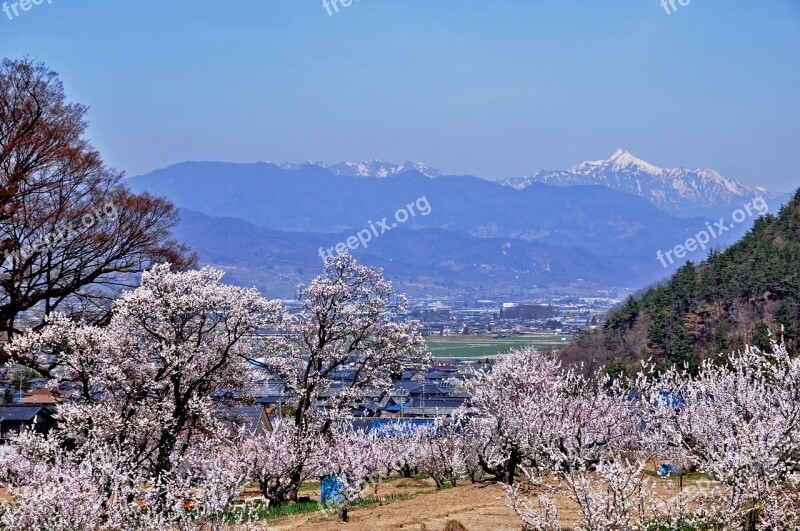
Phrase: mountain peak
pixel 678 191
pixel 622 159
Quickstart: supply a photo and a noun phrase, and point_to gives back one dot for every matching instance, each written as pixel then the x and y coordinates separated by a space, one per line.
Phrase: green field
pixel 485 346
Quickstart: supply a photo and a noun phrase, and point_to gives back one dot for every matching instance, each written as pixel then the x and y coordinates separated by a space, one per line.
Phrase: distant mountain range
pixel 679 191
pixel 682 192
pixel 266 223
pixel 433 262
pixel 369 168
pixel 312 199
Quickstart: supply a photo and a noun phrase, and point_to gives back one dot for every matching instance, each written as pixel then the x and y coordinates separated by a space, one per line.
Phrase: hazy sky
pixel 493 88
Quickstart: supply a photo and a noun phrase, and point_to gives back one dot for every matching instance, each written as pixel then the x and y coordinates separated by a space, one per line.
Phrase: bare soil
pixel 480 507
pixel 476 507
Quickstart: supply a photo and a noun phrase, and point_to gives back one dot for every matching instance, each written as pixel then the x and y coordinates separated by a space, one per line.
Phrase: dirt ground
pixel 477 507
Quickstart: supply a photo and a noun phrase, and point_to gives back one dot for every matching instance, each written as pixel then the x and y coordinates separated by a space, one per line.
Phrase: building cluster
pixel 569 315
pixel 428 393
pixel 424 394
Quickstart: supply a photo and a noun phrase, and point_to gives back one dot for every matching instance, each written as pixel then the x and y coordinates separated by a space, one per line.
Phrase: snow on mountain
pixel 679 191
pixel 371 168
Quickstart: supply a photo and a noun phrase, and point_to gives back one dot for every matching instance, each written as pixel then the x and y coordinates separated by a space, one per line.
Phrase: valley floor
pixel 486 346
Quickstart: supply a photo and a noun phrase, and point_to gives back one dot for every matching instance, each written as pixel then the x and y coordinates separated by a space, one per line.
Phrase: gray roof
pixel 243 416
pixel 442 403
pixel 21 412
pixel 438 375
pixel 428 411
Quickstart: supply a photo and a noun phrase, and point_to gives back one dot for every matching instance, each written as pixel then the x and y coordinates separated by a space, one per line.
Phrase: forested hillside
pixel 733 298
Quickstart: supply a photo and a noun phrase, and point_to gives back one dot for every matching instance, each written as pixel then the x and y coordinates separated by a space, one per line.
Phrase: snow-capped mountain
pixel 369 168
pixel 680 191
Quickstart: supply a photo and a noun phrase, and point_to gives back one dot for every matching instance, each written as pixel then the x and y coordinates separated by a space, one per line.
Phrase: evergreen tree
pixel 761 338
pixel 721 337
pixel 679 349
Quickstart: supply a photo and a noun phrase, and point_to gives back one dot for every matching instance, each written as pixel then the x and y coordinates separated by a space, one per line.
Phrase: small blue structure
pixel 669 399
pixel 330 490
pixel 667 469
pixel 388 427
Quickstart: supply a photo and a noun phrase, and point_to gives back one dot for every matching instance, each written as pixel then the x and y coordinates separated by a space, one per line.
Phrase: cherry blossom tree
pixel 99 489
pixel 356 458
pixel 402 447
pixel 50 491
pixel 530 411
pixel 737 419
pixel 144 393
pixel 344 325
pixel 170 345
pixel 443 454
pixel 613 494
pixel 275 458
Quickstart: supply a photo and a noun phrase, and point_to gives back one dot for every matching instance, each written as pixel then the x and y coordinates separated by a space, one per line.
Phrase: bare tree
pixel 71 234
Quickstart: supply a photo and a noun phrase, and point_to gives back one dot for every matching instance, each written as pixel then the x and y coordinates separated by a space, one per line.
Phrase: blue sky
pixel 492 88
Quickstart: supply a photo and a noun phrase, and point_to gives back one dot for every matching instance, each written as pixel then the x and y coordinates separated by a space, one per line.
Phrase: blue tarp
pixel 672 400
pixel 667 469
pixel 330 489
pixel 389 427
pixel 396 407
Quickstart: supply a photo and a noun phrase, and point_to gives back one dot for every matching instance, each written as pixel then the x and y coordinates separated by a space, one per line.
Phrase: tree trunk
pixel 295 482
pixel 511 467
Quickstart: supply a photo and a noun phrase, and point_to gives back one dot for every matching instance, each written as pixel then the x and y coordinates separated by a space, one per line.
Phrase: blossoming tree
pixel 144 389
pixel 344 324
